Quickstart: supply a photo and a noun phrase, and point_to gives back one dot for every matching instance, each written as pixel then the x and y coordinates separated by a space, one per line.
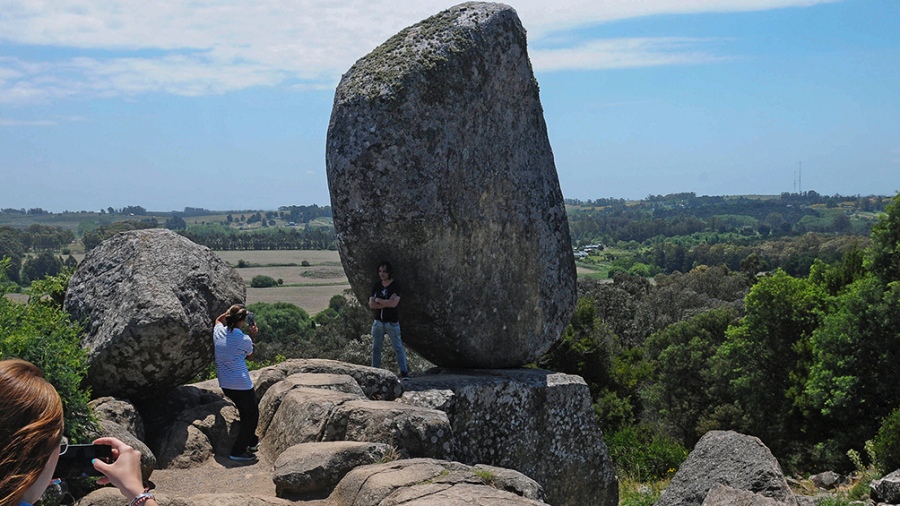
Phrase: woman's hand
pixel 125 472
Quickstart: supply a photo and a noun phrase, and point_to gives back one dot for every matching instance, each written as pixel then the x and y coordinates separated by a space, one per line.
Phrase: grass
pixel 486 476
pixel 634 493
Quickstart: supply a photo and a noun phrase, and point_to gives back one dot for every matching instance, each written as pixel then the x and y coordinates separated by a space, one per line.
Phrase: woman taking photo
pixel 233 347
pixel 31 441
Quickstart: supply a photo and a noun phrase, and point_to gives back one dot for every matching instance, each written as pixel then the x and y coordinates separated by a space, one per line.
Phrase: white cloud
pixel 9 122
pixel 127 47
pixel 623 53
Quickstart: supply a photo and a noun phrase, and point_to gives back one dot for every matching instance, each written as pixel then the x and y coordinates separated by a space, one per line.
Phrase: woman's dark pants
pixel 248 408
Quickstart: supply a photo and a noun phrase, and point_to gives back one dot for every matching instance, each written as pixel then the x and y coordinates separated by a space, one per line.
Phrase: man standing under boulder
pixel 384 300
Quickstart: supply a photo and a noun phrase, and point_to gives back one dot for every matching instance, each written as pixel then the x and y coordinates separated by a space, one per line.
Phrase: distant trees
pixel 40 266
pixel 284 331
pixel 810 364
pixel 303 214
pixel 222 238
pixel 176 223
pixel 263 281
pixel 94 237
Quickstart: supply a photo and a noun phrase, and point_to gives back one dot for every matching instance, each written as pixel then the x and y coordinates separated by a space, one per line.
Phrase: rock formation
pixel 431 482
pixel 148 298
pixel 728 458
pixel 537 422
pixel 887 489
pixel 438 160
pixel 519 427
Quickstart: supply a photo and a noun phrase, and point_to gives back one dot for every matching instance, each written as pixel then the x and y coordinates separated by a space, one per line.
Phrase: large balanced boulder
pixel 438 161
pixel 539 423
pixel 148 299
pixel 727 458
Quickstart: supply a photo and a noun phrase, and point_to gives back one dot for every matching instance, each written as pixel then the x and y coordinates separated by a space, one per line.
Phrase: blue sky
pixel 225 105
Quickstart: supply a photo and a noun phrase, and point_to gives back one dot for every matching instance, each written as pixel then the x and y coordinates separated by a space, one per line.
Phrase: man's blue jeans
pixel 392 329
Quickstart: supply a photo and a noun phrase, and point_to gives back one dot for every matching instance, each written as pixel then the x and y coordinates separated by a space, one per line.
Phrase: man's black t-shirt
pixel 388 314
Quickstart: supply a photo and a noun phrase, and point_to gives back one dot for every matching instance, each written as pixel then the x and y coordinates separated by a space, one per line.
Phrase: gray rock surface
pixel 112 497
pixel 422 482
pixel 536 422
pixel 149 298
pixel 887 489
pixel 312 470
pixel 196 434
pixel 375 383
pixel 727 458
pixel 723 495
pixel 120 411
pixel 827 480
pixel 304 415
pixel 438 160
pixel 414 431
pixel 509 480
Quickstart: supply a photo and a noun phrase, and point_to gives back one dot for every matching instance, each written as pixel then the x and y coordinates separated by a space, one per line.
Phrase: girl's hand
pixel 125 472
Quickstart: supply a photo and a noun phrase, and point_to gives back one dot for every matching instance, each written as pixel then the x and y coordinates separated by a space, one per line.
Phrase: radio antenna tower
pixel 800 177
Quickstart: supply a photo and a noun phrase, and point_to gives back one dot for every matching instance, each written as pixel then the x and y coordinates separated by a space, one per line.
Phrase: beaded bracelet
pixel 141 499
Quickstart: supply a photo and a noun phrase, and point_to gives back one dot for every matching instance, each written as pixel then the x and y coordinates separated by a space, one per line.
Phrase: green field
pixel 309 287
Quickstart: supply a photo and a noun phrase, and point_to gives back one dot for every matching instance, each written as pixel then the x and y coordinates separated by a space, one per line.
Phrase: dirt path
pixel 218 476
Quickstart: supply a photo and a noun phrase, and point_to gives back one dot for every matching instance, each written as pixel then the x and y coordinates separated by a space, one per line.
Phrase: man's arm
pixel 376 303
pixel 392 302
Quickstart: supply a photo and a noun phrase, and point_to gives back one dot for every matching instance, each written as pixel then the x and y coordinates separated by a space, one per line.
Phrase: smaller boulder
pixel 828 480
pixel 120 411
pixel 727 458
pixel 148 299
pixel 413 430
pixel 311 470
pixel 301 417
pixel 887 489
pixel 271 401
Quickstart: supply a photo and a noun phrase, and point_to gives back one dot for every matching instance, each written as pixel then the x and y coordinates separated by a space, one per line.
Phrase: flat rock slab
pixel 427 482
pixel 438 161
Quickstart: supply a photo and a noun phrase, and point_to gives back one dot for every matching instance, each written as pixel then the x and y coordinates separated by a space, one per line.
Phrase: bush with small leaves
pixel 262 281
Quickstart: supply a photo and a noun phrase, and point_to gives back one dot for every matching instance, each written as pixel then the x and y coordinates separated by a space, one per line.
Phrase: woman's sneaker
pixel 243 457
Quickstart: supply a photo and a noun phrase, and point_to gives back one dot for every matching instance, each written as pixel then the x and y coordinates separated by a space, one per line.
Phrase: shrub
pixel 263 281
pixel 42 333
pixel 304 263
pixel 643 453
pixel 887 443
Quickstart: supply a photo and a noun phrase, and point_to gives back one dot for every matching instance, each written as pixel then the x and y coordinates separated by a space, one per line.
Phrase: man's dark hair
pixel 387 267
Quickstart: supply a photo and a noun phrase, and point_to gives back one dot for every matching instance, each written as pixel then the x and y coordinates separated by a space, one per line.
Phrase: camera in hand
pixel 76 461
pixel 251 320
